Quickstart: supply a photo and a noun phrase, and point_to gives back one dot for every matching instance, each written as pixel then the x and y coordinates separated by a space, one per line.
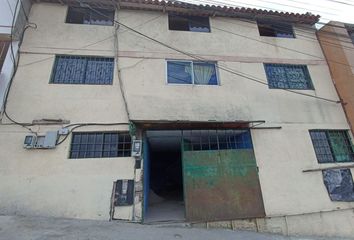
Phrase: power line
pixel 252 78
pixel 340 2
pixel 219 3
pixel 88 45
pixel 290 49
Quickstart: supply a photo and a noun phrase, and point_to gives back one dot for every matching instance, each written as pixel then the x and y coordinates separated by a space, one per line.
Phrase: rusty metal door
pixel 221 185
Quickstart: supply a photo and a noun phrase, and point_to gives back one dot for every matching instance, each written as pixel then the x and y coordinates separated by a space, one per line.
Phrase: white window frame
pixel 192 68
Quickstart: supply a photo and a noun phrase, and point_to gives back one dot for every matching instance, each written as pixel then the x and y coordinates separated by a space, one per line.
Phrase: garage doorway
pixel 163 177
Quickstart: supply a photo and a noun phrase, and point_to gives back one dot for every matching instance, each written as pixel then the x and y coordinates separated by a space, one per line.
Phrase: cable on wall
pixel 232 71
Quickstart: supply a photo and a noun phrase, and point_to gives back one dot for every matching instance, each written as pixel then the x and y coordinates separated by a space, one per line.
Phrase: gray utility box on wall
pixel 49 140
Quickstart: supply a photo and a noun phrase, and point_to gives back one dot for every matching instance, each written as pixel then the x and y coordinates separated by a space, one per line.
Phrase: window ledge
pixel 334 166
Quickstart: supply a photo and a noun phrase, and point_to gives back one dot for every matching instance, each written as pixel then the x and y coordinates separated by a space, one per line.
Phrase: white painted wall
pixel 282 154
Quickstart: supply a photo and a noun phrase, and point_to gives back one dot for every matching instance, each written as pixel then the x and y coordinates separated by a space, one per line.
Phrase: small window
pixel 205 140
pixel 189 72
pixel 275 29
pixel 4 46
pixel 332 146
pixel 97 16
pixel 83 70
pixel 350 30
pixel 287 76
pixel 100 145
pixel 339 184
pixel 188 23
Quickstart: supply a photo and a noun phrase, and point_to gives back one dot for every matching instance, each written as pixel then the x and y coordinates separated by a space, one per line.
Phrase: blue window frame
pixel 286 76
pixel 190 72
pixel 204 140
pixel 83 70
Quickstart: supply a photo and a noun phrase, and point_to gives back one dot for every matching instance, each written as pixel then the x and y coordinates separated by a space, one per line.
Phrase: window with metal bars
pixel 332 146
pixel 94 16
pixel 286 76
pixel 203 140
pixel 83 70
pixel 275 29
pixel 100 145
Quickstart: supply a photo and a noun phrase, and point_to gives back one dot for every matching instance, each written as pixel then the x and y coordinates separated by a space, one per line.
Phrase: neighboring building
pixel 10 35
pixel 337 42
pixel 218 146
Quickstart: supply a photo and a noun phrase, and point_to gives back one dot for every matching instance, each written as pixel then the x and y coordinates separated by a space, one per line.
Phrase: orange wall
pixel 336 49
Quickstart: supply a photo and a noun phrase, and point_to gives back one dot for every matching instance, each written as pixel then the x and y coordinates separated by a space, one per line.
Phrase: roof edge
pixel 195 9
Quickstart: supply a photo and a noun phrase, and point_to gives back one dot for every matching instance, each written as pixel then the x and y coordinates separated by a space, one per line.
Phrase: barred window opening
pixel 83 70
pixel 100 145
pixel 332 146
pixel 286 76
pixel 203 140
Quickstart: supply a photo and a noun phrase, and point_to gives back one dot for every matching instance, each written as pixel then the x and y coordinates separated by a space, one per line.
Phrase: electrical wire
pixel 188 54
pixel 85 46
pixel 232 71
pixel 219 3
pixel 79 125
pixel 278 27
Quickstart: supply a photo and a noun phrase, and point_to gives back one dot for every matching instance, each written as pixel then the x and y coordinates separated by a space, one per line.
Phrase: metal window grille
pixel 204 140
pixel 100 145
pixel 332 146
pixel 83 70
pixel 339 184
pixel 287 76
pixel 80 15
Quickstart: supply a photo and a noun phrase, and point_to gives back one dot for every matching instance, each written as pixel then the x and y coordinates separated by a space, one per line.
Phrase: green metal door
pixel 221 184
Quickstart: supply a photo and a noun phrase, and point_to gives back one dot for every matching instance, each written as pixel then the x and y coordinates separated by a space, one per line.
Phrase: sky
pixel 336 10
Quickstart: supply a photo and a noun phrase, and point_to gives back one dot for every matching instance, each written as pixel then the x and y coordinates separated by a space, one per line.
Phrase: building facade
pixel 216 116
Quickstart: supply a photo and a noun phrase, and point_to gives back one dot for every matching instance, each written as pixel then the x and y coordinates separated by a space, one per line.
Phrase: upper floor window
pixel 275 29
pixel 190 72
pixel 288 76
pixel 97 16
pixel 332 146
pixel 188 23
pixel 83 70
pixel 4 46
pixel 100 144
pixel 350 30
